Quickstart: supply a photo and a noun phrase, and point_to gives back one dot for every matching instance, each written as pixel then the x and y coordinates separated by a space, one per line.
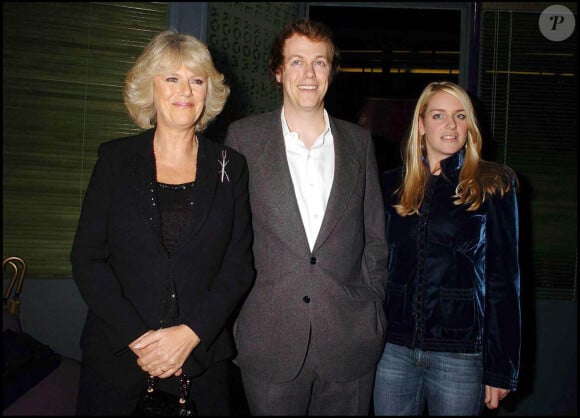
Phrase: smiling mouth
pixel 307 87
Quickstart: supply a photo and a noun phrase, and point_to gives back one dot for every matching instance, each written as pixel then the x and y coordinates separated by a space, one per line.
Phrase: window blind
pixel 64 66
pixel 528 86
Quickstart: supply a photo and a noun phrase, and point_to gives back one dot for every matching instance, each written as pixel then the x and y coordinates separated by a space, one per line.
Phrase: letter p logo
pixel 557 23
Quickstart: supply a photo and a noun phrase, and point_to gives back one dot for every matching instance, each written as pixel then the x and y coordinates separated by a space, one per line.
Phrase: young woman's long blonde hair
pixel 477 179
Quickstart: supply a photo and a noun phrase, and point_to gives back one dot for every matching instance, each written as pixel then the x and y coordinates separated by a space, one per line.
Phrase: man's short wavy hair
pixel 165 53
pixel 315 31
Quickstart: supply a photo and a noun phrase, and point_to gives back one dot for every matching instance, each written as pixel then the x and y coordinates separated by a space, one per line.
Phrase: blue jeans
pixel 448 383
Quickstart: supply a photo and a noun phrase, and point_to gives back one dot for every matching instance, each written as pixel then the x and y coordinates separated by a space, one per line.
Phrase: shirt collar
pixel 326 135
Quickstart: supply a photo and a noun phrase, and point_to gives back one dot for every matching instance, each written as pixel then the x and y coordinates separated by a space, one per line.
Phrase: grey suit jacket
pixel 329 300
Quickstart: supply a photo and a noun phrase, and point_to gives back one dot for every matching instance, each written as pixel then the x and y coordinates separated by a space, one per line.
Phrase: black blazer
pixel 121 266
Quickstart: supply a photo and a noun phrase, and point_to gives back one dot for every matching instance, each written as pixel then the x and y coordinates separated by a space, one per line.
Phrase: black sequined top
pixel 176 217
pixel 175 201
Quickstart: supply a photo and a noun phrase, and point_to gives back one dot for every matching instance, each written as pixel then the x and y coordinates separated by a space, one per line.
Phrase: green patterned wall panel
pixel 239 37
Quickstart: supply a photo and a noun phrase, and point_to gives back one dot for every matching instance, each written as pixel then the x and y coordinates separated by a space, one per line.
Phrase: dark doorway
pixel 388 55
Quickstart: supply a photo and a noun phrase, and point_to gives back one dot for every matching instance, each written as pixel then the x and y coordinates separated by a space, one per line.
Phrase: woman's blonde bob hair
pixel 477 178
pixel 166 53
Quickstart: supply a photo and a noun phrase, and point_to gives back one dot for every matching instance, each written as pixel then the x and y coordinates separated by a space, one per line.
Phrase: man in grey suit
pixel 311 331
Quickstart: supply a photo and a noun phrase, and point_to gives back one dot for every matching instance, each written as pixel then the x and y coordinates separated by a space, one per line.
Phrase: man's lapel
pixel 346 169
pixel 277 186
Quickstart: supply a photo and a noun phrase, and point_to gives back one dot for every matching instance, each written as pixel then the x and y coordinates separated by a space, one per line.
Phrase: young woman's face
pixel 444 124
pixel 179 98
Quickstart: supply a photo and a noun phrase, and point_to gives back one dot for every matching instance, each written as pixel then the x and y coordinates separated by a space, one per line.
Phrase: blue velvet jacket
pixel 454 277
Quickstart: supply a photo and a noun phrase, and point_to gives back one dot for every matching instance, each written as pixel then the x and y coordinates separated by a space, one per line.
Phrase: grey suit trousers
pixel 309 394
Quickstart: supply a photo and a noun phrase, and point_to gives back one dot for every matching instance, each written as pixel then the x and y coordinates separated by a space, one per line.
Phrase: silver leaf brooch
pixel 223 163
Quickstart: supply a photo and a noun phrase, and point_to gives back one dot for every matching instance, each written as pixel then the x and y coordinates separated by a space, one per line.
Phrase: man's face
pixel 305 73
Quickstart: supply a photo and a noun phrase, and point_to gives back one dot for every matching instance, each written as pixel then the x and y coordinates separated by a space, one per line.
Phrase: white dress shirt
pixel 312 172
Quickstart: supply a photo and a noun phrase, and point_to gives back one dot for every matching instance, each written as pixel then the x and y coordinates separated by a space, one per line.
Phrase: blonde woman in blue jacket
pixel 453 296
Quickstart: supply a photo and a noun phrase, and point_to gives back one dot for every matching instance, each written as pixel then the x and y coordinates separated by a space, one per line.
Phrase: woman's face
pixel 179 98
pixel 444 124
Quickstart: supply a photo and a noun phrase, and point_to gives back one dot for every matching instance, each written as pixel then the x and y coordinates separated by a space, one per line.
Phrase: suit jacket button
pixel 306 299
pixel 313 260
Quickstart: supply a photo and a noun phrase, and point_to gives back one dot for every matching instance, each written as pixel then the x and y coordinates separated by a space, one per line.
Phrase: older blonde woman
pixel 453 296
pixel 162 253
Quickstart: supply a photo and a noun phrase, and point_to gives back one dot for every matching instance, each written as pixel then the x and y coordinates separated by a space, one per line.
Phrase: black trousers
pixel 210 391
pixel 112 389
